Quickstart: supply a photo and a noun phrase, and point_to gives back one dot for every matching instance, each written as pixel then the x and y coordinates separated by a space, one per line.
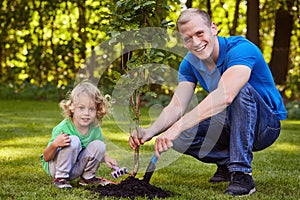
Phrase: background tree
pixel 45 43
pixel 253 24
pixel 279 63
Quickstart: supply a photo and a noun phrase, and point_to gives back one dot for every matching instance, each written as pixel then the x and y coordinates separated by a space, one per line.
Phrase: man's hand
pixel 62 140
pixel 138 137
pixel 165 141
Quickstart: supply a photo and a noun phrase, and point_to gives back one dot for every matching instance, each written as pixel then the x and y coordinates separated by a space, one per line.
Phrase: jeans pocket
pixel 266 138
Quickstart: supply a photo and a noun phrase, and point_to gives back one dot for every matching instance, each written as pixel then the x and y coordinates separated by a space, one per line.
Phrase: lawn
pixel 25 128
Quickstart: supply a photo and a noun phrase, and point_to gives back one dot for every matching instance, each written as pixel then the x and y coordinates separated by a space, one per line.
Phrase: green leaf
pixel 137 7
pixel 148 3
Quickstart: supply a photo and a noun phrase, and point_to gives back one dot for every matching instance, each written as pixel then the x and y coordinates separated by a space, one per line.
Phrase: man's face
pixel 199 37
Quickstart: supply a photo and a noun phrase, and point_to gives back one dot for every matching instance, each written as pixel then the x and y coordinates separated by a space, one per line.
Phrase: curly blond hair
pixel 102 104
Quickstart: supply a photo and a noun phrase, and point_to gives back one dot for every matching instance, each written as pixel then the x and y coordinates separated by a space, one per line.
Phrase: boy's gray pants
pixel 72 161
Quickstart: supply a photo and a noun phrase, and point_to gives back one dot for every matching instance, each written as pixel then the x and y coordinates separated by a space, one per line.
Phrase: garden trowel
pixel 150 169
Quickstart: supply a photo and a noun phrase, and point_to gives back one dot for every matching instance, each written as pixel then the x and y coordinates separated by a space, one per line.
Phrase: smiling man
pixel 241 113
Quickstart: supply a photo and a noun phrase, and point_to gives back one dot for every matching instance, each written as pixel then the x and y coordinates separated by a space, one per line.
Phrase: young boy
pixel 76 147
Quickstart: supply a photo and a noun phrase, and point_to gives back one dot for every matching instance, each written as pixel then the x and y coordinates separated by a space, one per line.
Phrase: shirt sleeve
pixel 57 130
pixel 185 72
pixel 242 52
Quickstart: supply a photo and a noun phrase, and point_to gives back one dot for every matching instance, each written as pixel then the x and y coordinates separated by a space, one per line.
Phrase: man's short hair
pixel 187 14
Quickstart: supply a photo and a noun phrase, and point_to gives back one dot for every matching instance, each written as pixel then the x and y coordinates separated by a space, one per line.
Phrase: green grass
pixel 25 128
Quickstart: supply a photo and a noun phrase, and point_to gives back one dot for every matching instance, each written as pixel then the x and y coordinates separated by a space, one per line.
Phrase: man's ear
pixel 214 28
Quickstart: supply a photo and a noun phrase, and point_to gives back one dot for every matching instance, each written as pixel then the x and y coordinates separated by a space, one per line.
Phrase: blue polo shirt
pixel 235 50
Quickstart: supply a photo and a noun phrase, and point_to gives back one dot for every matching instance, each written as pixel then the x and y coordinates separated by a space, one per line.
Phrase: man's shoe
pixel 222 175
pixel 241 184
pixel 62 183
pixel 94 181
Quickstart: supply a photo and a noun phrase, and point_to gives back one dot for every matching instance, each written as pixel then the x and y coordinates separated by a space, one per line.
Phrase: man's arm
pixel 229 86
pixel 170 114
pixel 176 108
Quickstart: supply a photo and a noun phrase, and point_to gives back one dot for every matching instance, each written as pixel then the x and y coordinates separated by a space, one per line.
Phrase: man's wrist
pixel 150 132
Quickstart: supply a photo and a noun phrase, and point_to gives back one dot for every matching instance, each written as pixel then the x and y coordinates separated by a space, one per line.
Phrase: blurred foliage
pixel 28 91
pixel 45 43
pixel 293 109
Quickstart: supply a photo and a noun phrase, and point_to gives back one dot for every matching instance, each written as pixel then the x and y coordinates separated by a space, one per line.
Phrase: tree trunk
pixel 236 16
pixel 280 55
pixel 82 28
pixel 253 21
pixel 208 5
pixel 189 3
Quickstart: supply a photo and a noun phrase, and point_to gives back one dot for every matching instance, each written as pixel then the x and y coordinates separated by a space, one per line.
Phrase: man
pixel 241 113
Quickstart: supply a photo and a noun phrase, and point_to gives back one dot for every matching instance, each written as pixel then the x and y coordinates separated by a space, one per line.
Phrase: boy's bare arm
pixel 61 140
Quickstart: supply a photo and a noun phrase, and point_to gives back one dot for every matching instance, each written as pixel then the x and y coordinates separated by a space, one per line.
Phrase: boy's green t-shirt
pixel 68 127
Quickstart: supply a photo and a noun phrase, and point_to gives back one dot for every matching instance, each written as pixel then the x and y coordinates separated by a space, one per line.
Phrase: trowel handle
pixel 150 169
pixel 154 159
pixel 152 165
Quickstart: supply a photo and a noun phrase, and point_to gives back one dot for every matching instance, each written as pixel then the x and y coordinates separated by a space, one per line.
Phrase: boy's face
pixel 84 112
pixel 199 37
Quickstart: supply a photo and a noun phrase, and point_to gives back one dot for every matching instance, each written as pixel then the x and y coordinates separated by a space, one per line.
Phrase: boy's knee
pixel 75 144
pixel 74 141
pixel 97 146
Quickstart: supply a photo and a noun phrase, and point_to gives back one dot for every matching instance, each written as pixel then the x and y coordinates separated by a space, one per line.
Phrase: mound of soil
pixel 130 188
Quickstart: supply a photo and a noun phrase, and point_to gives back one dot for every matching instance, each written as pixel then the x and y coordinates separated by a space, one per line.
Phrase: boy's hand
pixel 110 161
pixel 62 140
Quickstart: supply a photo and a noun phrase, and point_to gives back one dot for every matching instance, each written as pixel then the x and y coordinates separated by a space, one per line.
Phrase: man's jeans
pixel 72 161
pixel 230 137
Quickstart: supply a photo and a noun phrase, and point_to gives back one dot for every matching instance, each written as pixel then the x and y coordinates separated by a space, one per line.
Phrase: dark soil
pixel 130 188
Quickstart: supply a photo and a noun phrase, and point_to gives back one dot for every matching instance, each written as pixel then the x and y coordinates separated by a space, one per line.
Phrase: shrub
pixel 27 91
pixel 293 109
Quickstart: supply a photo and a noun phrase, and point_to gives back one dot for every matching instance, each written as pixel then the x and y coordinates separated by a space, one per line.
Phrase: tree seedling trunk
pixel 135 101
